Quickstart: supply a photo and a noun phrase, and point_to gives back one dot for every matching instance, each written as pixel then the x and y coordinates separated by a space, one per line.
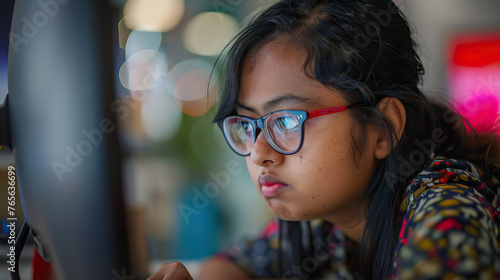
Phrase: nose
pixel 263 154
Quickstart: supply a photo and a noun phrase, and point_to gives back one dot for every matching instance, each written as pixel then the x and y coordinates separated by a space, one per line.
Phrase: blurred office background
pixel 187 194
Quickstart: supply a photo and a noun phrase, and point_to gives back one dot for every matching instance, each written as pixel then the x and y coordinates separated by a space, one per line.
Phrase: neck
pixel 352 221
pixel 354 229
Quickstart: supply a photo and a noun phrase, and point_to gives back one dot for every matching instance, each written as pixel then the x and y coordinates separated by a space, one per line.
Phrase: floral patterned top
pixel 450 230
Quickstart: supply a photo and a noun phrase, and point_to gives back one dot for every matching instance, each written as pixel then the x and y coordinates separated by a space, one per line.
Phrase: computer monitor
pixel 64 134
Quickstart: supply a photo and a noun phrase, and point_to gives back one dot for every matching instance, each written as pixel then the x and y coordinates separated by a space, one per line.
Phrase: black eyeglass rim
pixel 259 123
pixel 220 123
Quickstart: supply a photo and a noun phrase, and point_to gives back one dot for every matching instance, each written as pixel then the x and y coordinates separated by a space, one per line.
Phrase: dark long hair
pixel 363 49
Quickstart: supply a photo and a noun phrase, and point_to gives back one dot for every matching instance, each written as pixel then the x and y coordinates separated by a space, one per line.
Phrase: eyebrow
pixel 287 98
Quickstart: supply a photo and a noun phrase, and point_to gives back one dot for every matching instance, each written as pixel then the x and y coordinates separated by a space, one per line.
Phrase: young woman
pixel 368 179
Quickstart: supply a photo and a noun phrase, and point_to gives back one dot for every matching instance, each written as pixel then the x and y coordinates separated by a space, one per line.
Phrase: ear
pixel 395 111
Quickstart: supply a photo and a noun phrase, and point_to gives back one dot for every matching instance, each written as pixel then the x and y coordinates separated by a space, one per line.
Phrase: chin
pixel 286 214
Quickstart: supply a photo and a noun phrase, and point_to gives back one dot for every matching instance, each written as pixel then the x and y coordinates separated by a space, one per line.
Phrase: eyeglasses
pixel 283 130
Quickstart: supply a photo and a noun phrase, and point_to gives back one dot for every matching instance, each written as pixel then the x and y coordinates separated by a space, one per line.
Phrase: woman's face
pixel 321 180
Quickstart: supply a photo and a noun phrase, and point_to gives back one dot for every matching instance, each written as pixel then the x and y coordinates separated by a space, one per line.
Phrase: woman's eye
pixel 246 127
pixel 286 124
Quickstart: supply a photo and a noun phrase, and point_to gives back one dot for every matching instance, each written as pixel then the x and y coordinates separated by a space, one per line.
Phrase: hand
pixel 171 271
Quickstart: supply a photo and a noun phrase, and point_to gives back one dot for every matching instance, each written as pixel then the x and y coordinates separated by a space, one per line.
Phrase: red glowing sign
pixel 474 77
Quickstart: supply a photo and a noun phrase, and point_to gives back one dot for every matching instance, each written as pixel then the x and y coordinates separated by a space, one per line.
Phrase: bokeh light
pixel 208 33
pixel 143 70
pixel 141 40
pixel 474 76
pixel 153 15
pixel 161 119
pixel 189 83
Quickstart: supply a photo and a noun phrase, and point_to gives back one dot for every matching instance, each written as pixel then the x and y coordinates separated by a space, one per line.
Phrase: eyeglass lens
pixel 281 130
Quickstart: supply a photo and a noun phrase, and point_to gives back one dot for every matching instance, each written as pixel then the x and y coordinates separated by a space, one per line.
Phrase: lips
pixel 271 186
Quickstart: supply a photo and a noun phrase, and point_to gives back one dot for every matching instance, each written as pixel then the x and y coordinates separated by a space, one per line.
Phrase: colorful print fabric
pixel 450 230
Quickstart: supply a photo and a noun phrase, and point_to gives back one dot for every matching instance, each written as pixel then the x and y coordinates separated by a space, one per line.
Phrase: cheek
pixel 324 155
pixel 328 139
pixel 321 171
pixel 325 170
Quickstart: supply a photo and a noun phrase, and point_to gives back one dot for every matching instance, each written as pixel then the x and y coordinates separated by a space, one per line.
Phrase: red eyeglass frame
pixel 301 116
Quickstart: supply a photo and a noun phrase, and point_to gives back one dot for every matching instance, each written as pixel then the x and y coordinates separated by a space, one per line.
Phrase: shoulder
pixel 258 256
pixel 456 176
pixel 449 225
pixel 450 207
